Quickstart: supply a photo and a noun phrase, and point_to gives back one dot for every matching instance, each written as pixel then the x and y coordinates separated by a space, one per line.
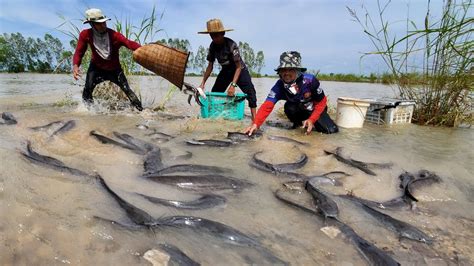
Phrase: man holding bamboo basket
pixel 105 65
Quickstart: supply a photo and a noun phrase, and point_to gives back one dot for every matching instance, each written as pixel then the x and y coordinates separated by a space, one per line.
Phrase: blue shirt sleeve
pixel 275 94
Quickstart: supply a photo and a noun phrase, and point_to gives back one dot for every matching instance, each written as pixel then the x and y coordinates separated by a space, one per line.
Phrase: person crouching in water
pixel 305 101
pixel 234 72
pixel 105 65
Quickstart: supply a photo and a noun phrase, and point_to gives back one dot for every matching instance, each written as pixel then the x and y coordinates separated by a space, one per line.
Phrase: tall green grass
pixel 143 33
pixel 440 52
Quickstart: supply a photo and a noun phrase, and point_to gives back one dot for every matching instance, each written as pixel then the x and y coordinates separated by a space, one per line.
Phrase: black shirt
pixel 226 54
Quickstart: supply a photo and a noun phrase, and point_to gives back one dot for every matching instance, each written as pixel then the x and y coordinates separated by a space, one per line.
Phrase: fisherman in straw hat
pixel 105 65
pixel 234 72
pixel 305 101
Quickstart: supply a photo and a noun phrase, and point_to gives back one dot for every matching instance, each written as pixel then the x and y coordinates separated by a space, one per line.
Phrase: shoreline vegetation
pixel 440 51
pixel 372 78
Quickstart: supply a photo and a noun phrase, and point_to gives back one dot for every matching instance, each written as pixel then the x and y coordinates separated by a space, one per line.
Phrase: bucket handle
pixel 359 109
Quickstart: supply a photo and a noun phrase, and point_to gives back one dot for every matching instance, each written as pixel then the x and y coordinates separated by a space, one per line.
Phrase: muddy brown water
pixel 47 217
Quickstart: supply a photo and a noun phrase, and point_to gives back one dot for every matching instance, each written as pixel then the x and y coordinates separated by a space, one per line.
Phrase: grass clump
pixel 439 54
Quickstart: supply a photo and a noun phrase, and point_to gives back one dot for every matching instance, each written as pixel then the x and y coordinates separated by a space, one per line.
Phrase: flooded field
pixel 51 217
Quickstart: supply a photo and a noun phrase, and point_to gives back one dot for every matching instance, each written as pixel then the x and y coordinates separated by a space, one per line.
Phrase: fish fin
pixel 328 152
pixel 408 194
pixel 188 86
pixel 196 98
pixel 336 173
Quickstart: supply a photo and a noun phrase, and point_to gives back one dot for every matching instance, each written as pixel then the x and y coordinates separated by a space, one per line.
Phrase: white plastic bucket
pixel 351 112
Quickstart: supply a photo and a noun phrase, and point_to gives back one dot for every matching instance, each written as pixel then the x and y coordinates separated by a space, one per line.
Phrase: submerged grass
pixel 67 101
pixel 444 88
pixel 167 97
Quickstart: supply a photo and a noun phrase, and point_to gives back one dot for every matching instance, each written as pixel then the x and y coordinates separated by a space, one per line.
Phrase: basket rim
pixel 215 93
pixel 166 46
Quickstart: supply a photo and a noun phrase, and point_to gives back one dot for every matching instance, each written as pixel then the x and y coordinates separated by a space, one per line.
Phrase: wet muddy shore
pixel 50 216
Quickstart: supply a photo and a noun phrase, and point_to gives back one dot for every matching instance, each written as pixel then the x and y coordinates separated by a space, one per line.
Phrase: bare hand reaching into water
pixel 308 124
pixel 251 129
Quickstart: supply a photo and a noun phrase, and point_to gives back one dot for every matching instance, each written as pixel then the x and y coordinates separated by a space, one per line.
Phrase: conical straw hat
pixel 170 63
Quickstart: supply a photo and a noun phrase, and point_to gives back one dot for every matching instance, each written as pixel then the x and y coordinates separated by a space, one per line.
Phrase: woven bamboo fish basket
pixel 170 63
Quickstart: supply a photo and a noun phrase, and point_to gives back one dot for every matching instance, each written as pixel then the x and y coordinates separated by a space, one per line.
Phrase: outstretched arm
pixel 81 49
pixel 126 42
pixel 263 112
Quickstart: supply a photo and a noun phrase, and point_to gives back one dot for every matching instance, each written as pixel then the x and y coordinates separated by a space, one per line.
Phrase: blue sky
pixel 321 30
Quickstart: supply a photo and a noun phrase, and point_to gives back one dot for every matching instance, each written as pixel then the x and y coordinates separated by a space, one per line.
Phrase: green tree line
pixel 385 78
pixel 26 54
pixel 20 54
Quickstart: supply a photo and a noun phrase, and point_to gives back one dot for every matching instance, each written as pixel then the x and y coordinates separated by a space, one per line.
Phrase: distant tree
pixel 181 44
pixel 53 49
pixel 185 45
pixel 247 54
pixel 18 53
pixel 255 63
pixel 4 51
pixel 65 64
pixel 32 54
pixel 7 59
pixel 190 63
pixel 259 62
pixel 15 53
pixel 372 78
pixel 200 59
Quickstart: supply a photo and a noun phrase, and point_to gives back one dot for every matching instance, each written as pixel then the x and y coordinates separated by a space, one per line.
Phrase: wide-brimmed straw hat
pixel 290 59
pixel 95 15
pixel 215 25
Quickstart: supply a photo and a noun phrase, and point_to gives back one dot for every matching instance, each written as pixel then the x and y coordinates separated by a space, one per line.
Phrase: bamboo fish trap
pixel 167 62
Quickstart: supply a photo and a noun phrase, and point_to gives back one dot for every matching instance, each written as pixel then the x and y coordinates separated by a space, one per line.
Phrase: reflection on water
pixel 48 216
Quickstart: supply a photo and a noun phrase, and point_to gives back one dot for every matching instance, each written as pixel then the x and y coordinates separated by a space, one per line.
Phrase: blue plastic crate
pixel 219 105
